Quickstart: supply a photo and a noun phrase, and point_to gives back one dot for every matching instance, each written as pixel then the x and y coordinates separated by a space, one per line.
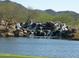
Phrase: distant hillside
pixel 60 13
pixel 10 10
pixel 50 11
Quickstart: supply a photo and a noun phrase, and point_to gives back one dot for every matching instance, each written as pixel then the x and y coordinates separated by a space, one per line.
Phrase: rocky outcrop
pixel 76 36
pixel 2 28
pixel 22 33
pixel 13 29
pixel 9 34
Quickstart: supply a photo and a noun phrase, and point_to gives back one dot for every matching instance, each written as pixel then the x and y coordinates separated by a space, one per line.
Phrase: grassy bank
pixel 17 56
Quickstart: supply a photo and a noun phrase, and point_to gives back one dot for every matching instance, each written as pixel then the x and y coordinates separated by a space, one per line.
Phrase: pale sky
pixel 57 5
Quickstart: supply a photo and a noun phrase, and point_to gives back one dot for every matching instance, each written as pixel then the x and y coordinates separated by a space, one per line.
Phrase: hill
pixel 13 11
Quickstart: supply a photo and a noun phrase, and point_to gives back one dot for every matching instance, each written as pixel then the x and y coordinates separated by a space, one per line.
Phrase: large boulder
pixel 2 28
pixel 2 22
pixel 11 28
pixel 76 35
pixel 9 34
pixel 27 33
pixel 21 34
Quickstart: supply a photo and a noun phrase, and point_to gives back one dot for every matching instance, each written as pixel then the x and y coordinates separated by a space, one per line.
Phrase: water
pixel 39 47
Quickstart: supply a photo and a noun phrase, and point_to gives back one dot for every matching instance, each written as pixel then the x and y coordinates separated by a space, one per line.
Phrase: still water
pixel 39 47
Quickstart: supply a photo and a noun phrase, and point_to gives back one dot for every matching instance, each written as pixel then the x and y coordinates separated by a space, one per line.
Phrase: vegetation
pixel 17 56
pixel 13 11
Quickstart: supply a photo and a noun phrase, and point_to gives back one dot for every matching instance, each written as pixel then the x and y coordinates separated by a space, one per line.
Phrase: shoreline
pixel 54 30
pixel 45 38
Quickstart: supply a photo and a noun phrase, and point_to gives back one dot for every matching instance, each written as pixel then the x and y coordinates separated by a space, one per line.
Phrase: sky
pixel 57 5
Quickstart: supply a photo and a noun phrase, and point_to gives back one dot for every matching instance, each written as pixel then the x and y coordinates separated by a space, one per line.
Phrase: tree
pixel 31 15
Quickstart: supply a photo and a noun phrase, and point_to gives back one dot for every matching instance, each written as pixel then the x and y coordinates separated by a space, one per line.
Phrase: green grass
pixel 17 56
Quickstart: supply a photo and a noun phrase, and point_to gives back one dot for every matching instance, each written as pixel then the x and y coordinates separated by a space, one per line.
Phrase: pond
pixel 39 47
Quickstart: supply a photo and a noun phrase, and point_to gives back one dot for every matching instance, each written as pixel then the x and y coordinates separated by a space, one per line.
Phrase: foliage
pixel 13 11
pixel 17 56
